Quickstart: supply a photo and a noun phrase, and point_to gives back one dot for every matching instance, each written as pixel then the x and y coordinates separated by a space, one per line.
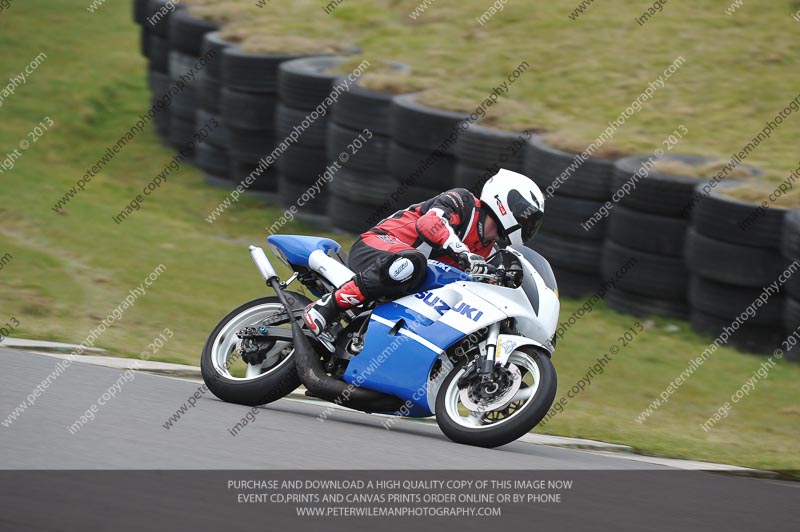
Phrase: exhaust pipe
pixel 320 384
pixel 309 366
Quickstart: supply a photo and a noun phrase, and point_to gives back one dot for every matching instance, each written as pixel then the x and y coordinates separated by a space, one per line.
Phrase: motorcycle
pixel 473 350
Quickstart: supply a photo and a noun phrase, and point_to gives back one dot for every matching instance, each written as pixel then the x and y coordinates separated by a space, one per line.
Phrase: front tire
pixel 271 380
pixel 493 428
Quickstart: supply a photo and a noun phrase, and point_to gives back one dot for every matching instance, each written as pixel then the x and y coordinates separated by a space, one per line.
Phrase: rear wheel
pixel 525 390
pixel 272 375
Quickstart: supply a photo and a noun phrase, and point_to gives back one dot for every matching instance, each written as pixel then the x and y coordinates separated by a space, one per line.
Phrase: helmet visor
pixel 529 216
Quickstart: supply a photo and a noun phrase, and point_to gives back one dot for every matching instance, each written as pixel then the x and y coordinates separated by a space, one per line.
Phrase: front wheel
pixel 221 365
pixel 515 401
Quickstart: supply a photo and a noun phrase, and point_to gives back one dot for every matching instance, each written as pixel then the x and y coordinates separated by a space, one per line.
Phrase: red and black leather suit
pixel 422 231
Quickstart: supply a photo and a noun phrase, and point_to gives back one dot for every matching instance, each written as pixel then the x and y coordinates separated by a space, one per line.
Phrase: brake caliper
pixel 254 344
pixel 495 394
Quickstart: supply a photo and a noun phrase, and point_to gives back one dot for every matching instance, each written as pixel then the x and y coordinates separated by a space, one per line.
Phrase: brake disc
pixel 471 399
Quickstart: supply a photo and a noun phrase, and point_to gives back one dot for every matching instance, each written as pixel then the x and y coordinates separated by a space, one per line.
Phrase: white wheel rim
pixel 226 343
pixel 477 420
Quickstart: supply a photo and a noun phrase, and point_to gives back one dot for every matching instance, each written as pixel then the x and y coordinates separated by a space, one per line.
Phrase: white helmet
pixel 517 204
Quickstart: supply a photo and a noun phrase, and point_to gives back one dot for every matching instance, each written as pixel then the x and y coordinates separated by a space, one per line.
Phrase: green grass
pixel 737 72
pixel 69 271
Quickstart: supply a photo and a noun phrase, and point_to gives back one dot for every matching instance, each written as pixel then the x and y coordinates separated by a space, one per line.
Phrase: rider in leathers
pixel 455 228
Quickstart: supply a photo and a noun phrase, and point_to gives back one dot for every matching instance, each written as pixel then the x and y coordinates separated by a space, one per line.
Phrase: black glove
pixel 473 263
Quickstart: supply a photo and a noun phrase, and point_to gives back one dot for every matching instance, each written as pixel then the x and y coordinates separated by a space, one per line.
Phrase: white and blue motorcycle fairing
pixel 474 350
pixel 407 336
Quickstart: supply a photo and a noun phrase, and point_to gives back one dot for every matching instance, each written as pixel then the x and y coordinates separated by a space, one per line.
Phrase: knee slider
pixel 401 269
pixel 407 267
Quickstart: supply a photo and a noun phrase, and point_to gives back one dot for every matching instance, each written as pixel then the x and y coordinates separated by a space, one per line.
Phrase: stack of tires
pixel 790 249
pixel 732 265
pixel 481 152
pixel 154 15
pixel 423 145
pixel 303 86
pixel 212 155
pixel 362 192
pixel 649 225
pixel 249 97
pixel 574 252
pixel 140 18
pixel 186 42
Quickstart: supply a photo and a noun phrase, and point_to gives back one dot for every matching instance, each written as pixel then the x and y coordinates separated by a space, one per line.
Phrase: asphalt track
pixel 128 434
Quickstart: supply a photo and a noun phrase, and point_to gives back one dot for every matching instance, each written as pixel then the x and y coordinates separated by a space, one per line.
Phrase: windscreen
pixel 541 265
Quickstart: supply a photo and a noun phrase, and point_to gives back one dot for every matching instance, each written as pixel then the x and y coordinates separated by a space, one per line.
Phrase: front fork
pixel 487 360
pixel 483 365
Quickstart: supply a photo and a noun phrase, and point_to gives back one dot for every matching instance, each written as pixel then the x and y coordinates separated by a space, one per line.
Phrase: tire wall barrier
pixel 213 155
pixel 574 190
pixel 303 118
pixel 185 37
pixel 650 220
pixel 673 246
pixel 392 168
pixel 734 254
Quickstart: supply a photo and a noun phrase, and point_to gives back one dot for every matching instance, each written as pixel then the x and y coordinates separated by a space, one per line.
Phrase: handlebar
pixel 499 275
pixel 491 273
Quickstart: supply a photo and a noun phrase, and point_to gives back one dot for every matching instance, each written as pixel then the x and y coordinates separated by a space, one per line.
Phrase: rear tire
pixel 274 383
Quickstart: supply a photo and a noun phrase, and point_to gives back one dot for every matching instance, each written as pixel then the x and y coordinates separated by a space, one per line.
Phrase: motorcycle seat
pixel 297 248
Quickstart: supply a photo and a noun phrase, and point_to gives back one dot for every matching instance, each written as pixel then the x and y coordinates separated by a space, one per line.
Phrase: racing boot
pixel 321 314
